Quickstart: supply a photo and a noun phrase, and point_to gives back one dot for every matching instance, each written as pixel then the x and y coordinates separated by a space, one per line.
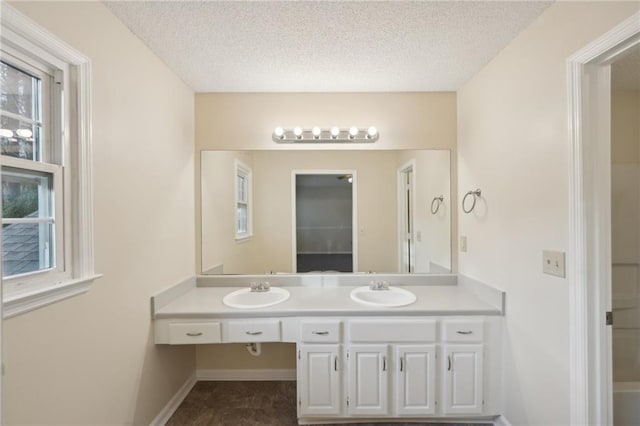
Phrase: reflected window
pixel 243 201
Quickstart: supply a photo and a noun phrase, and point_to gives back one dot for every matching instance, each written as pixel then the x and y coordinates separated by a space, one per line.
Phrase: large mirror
pixel 325 211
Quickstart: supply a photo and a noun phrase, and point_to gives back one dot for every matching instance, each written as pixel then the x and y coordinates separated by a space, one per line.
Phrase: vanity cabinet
pixel 319 368
pixel 415 380
pixel 319 380
pixel 368 391
pixel 463 360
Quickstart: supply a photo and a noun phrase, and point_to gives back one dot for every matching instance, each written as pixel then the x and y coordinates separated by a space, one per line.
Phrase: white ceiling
pixel 326 46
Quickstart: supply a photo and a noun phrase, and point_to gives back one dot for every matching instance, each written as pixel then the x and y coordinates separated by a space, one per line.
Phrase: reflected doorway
pixel 405 216
pixel 324 221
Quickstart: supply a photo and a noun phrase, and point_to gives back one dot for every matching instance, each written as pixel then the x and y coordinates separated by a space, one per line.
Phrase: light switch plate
pixel 463 243
pixel 553 263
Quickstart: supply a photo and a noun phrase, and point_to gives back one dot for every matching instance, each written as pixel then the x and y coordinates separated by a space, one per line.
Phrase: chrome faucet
pixel 380 285
pixel 260 287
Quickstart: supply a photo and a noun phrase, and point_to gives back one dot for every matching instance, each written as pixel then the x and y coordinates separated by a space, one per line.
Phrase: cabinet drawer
pixel 320 331
pixel 253 331
pixel 462 330
pixel 383 330
pixel 185 333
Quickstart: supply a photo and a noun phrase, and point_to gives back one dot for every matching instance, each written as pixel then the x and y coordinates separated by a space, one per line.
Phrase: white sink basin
pixel 247 299
pixel 393 297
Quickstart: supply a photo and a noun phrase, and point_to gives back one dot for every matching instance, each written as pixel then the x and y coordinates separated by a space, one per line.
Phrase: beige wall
pixel 625 126
pixel 91 359
pixel 513 144
pixel 245 121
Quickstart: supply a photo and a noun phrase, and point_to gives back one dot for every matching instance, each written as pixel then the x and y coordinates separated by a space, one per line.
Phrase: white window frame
pixel 23 38
pixel 242 169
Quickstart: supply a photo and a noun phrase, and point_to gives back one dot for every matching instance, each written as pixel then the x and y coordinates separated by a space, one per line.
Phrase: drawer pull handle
pixel 335 363
pixel 401 363
pixel 191 334
pixel 320 333
pixel 384 363
pixel 464 332
pixel 254 333
pixel 449 363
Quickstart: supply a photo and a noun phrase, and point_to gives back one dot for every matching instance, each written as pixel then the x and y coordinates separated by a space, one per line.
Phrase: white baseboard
pixel 247 375
pixel 165 414
pixel 501 421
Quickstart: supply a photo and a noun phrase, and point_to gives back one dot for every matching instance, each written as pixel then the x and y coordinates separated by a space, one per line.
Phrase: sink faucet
pixel 260 287
pixel 380 285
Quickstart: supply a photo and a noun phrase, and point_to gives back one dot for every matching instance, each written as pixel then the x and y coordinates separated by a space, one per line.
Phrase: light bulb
pixel 372 132
pixel 24 133
pixel 350 179
pixel 6 133
pixel 353 132
pixel 335 132
pixel 297 131
pixel 279 133
pixel 316 132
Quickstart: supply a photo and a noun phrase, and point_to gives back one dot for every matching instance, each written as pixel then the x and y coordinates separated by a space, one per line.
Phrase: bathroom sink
pixel 247 299
pixel 391 297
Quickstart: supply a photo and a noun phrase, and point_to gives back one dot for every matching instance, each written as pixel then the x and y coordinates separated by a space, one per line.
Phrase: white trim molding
pixel 589 257
pixel 172 405
pixel 247 375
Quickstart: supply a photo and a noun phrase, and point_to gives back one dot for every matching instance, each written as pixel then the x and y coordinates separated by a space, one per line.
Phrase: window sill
pixel 244 238
pixel 22 303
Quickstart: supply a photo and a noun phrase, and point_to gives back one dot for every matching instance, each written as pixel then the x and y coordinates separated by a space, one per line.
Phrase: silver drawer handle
pixel 464 332
pixel 320 333
pixel 254 333
pixel 194 334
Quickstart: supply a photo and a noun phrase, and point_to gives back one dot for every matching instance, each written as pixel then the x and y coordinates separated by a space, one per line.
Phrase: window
pixel 243 201
pixel 47 223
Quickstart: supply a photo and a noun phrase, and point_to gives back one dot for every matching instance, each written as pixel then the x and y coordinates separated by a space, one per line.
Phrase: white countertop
pixel 206 302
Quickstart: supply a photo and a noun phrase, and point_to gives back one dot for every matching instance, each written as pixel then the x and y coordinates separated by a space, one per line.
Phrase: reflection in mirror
pixel 399 207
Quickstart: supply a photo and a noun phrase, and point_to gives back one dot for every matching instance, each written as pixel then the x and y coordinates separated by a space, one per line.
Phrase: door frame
pixel 402 170
pixel 589 252
pixel 354 213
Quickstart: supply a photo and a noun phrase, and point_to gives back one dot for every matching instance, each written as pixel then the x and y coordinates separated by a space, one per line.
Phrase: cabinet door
pixel 319 380
pixel 368 371
pixel 416 380
pixel 463 379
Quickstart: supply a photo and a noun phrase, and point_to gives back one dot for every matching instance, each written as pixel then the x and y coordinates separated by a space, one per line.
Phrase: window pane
pixel 19 92
pixel 28 230
pixel 242 184
pixel 27 247
pixel 26 194
pixel 20 139
pixel 241 216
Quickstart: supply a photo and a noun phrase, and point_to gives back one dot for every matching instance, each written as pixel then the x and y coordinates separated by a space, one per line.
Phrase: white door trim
pixel 589 256
pixel 401 210
pixel 354 212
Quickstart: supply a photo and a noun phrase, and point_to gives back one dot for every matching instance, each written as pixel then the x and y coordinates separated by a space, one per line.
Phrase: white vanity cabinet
pixel 392 367
pixel 319 368
pixel 463 366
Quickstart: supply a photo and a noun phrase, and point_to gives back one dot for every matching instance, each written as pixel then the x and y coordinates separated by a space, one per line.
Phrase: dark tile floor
pixel 247 404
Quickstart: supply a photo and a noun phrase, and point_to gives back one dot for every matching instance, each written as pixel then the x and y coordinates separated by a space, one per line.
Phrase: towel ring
pixel 477 193
pixel 435 204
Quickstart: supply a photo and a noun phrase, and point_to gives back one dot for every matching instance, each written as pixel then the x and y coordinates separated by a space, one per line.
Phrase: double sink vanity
pixel 367 346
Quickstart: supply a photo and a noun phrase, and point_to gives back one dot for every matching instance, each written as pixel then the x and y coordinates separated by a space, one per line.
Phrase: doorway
pixel 590 254
pixel 406 202
pixel 324 221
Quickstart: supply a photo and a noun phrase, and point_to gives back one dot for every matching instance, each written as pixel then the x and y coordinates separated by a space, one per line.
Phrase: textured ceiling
pixel 322 46
pixel 625 72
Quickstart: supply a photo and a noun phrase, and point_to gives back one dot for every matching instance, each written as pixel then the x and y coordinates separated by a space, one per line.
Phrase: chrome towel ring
pixel 435 204
pixel 477 193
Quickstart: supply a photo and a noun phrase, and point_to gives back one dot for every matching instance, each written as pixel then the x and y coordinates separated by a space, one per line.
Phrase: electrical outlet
pixel 553 263
pixel 463 244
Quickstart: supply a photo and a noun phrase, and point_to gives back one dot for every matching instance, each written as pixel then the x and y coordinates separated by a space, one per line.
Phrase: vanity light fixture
pixel 328 135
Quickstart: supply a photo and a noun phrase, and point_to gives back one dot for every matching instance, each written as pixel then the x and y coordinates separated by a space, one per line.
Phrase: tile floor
pixel 245 404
